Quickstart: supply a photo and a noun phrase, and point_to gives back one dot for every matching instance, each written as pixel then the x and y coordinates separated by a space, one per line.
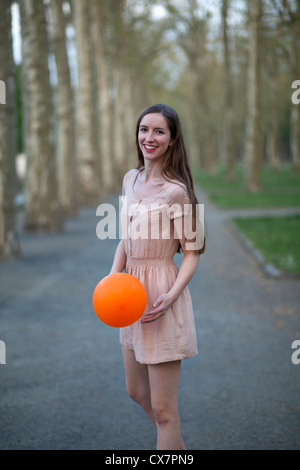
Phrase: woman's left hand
pixel 161 305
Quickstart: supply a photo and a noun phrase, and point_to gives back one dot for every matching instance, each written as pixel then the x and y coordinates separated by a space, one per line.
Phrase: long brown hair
pixel 175 164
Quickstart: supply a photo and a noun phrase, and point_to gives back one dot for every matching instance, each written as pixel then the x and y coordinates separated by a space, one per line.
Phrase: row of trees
pixel 230 81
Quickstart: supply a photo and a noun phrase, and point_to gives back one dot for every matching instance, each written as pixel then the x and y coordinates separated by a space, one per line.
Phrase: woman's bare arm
pixel 185 274
pixel 119 261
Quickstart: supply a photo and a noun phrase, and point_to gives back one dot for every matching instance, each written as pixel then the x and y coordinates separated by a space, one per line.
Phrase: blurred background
pixel 75 75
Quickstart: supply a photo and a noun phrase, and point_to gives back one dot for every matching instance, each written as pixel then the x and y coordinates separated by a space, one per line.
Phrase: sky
pixel 16 33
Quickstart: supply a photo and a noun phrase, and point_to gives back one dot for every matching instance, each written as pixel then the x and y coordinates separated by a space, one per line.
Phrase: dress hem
pixel 178 357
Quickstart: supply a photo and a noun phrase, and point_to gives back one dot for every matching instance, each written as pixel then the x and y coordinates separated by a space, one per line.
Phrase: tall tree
pixel 9 244
pixel 67 168
pixel 290 18
pixel 87 152
pixel 227 137
pixel 253 141
pixel 191 29
pixel 119 111
pixel 104 103
pixel 273 92
pixel 43 211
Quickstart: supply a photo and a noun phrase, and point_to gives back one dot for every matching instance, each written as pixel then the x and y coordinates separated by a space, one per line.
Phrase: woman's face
pixel 154 136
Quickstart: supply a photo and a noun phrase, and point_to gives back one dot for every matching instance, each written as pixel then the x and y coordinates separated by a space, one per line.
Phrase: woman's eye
pixel 158 131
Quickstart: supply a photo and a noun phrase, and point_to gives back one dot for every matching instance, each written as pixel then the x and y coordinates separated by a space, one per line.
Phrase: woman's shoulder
pixel 177 191
pixel 129 175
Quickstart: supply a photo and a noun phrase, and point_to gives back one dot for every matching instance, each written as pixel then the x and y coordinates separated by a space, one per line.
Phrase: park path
pixel 63 383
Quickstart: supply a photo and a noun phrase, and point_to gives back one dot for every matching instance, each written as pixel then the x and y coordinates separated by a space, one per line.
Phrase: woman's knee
pixel 137 393
pixel 164 412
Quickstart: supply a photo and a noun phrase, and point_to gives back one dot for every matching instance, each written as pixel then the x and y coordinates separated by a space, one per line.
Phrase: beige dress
pixel 150 259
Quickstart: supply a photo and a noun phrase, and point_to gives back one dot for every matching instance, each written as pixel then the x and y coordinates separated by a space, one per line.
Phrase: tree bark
pixel 295 62
pixel 43 211
pixel 67 174
pixel 131 117
pixel 87 152
pixel 272 143
pixel 119 112
pixel 194 44
pixel 252 146
pixel 227 144
pixel 9 243
pixel 295 137
pixel 104 104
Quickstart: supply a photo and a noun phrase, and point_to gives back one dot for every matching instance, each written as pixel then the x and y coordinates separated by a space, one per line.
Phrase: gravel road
pixel 62 386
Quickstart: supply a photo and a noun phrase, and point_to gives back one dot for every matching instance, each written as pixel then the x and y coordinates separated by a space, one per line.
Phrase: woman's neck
pixel 152 171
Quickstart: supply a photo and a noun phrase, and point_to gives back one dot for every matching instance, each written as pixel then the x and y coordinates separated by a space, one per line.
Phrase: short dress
pixel 150 245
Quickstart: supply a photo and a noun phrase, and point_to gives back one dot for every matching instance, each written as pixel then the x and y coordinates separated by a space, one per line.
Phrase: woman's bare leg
pixel 164 384
pixel 137 382
pixel 156 386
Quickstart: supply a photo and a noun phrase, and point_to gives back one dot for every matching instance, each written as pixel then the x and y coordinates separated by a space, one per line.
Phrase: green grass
pixel 278 188
pixel 277 239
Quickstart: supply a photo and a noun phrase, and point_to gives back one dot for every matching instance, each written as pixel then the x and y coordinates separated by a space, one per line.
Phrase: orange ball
pixel 119 299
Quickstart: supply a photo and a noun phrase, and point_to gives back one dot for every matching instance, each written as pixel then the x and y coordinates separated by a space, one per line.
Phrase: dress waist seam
pixel 149 261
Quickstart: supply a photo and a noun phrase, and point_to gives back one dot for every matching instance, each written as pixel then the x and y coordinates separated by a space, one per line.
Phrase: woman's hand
pixel 164 301
pixel 161 305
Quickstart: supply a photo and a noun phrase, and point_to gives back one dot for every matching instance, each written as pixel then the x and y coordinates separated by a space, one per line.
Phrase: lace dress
pixel 150 245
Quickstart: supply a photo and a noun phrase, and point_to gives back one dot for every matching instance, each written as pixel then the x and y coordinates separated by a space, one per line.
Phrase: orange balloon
pixel 119 299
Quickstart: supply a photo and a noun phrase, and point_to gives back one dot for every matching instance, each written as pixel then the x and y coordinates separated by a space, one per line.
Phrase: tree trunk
pixel 87 152
pixel 104 105
pixel 67 174
pixel 227 144
pixel 119 118
pixel 43 212
pixel 295 61
pixel 272 149
pixel 252 146
pixel 295 137
pixel 197 144
pixel 119 112
pixel 131 117
pixel 9 244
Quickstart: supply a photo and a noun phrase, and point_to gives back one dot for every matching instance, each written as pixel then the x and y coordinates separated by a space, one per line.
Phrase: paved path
pixel 63 384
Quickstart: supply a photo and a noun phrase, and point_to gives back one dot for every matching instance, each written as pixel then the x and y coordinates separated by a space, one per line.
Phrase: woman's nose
pixel 149 137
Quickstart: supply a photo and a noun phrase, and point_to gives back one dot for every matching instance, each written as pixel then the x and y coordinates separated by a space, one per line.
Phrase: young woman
pixel 154 346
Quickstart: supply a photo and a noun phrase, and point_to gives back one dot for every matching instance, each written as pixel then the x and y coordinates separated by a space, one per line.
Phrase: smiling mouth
pixel 149 147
